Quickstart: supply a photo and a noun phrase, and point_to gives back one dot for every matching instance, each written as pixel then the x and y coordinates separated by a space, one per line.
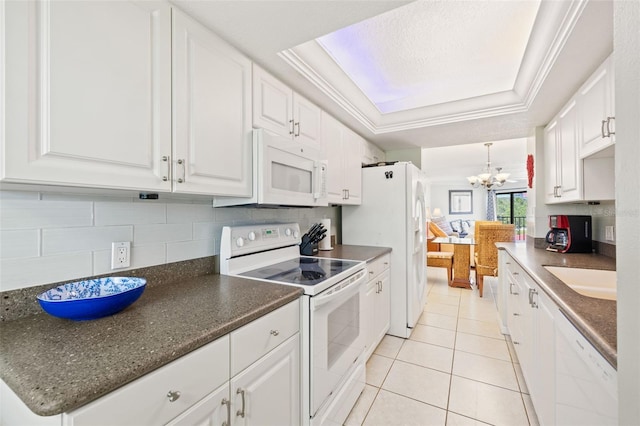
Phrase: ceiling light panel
pixel 433 52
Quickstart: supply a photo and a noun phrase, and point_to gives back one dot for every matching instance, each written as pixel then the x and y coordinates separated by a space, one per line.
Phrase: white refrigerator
pixel 392 214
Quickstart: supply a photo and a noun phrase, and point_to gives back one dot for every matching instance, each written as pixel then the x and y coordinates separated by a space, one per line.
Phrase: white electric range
pixel 332 328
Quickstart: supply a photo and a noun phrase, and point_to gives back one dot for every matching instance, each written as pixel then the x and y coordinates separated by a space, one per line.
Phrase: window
pixel 511 207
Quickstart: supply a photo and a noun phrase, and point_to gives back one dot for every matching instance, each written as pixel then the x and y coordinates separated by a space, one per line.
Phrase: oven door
pixel 288 173
pixel 337 336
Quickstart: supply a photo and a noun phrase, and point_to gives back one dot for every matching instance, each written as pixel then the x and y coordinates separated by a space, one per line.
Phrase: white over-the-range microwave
pixel 285 173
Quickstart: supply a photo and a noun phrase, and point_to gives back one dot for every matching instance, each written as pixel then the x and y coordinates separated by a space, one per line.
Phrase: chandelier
pixel 487 179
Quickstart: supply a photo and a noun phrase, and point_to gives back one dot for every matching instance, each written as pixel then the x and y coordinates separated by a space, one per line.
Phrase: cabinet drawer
pixel 250 342
pixel 376 266
pixel 145 401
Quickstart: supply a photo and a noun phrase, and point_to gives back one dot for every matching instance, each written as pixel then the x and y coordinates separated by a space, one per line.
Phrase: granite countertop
pixel 594 318
pixel 57 365
pixel 350 252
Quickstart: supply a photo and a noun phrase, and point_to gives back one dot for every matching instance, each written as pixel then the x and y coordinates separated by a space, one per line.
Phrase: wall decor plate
pixel 91 299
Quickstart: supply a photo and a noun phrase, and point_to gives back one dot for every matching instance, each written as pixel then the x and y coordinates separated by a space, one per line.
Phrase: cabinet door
pixel 212 113
pixel 551 162
pixel 213 410
pixel 542 388
pixel 88 89
pixel 332 136
pixel 383 306
pixel 307 122
pixel 596 105
pixel 352 167
pixel 569 169
pixel 268 392
pixel 369 316
pixel 272 103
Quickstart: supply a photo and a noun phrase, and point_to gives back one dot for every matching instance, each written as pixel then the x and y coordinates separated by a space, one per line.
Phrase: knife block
pixel 307 248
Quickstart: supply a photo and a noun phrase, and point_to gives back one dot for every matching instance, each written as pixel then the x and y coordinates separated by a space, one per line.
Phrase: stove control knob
pixel 252 236
pixel 287 232
pixel 296 234
pixel 239 241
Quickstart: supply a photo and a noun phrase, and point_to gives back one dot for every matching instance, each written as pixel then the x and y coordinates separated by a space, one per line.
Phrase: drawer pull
pixel 274 332
pixel 226 402
pixel 241 410
pixel 515 342
pixel 173 395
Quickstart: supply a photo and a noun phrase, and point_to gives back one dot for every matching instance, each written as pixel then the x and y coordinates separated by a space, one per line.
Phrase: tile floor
pixel 455 369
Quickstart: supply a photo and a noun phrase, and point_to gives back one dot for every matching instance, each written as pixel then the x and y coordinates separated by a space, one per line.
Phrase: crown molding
pixel 553 27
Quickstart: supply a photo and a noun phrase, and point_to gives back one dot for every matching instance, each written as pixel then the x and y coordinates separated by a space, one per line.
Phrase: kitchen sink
pixel 588 282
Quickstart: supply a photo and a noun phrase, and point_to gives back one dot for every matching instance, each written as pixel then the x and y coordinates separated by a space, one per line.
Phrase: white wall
pixel 51 237
pixel 627 76
pixel 440 198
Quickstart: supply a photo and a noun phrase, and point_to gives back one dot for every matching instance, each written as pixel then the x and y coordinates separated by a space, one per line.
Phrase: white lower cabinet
pixel 377 303
pixel 201 387
pixel 560 391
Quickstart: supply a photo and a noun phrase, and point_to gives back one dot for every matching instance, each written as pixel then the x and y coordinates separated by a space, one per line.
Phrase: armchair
pixel 487 233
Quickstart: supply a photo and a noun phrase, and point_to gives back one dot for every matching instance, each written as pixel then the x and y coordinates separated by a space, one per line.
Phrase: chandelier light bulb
pixel 487 179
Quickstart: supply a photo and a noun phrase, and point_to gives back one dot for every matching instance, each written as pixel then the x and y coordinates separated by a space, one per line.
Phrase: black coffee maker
pixel 569 234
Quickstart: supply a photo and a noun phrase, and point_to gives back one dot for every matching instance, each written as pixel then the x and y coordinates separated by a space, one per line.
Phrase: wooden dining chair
pixel 435 256
pixel 487 233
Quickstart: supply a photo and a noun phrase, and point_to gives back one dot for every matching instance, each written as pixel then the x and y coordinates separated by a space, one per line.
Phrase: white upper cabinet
pixel 342 148
pixel 578 149
pixel 88 94
pixel 279 109
pixel 597 110
pixel 371 153
pixel 211 112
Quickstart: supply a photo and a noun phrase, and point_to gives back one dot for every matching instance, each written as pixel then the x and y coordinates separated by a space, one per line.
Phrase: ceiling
pixel 521 61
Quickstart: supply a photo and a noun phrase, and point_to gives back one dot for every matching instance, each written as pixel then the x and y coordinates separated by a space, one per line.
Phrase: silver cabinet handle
pixel 166 159
pixel 348 194
pixel 181 162
pixel 291 126
pixel 532 292
pixel 274 332
pixel 515 314
pixel 241 411
pixel 296 125
pixel 370 272
pixel 515 342
pixel 226 402
pixel 511 288
pixel 173 395
pixel 609 132
pixel 602 128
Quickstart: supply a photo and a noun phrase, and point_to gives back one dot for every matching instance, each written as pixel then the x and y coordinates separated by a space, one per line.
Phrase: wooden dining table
pixel 461 259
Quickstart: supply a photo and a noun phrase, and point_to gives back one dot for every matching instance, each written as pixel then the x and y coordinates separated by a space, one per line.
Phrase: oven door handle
pixel 349 290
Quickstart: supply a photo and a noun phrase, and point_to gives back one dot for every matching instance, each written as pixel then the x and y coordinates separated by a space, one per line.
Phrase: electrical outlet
pixel 120 255
pixel 608 233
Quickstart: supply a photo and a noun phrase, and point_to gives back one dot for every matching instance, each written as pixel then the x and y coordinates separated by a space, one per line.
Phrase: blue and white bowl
pixel 91 299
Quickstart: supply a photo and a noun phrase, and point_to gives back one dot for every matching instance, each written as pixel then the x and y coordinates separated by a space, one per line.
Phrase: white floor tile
pixel 481 328
pixel 426 355
pixel 389 346
pixel 423 384
pixel 445 299
pixel 486 403
pixel 438 320
pixel 363 404
pixel 377 369
pixel 454 419
pixel 483 369
pixel 433 335
pixel 441 308
pixel 480 345
pixel 391 409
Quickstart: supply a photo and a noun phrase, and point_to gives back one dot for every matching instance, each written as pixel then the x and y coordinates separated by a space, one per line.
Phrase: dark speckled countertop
pixel 57 365
pixel 349 252
pixel 595 318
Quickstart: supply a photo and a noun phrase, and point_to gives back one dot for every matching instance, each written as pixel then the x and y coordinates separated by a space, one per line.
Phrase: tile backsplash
pixel 51 237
